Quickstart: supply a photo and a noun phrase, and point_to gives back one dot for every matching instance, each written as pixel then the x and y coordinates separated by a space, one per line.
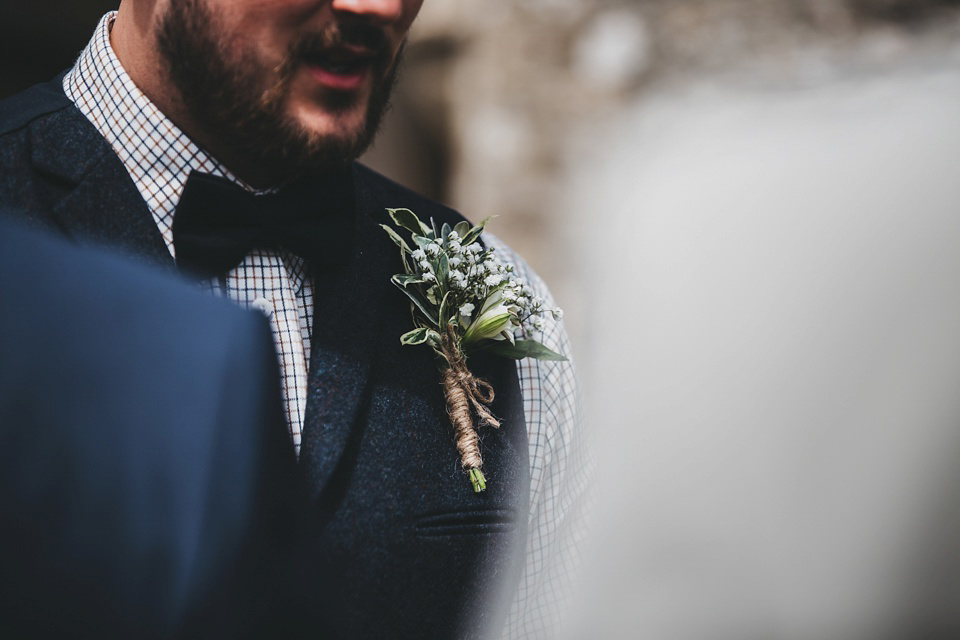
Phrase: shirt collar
pixel 155 152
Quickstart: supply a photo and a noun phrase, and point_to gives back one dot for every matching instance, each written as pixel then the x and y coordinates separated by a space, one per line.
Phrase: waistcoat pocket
pixel 473 521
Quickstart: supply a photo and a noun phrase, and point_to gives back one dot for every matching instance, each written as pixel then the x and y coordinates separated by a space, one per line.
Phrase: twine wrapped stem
pixel 464 391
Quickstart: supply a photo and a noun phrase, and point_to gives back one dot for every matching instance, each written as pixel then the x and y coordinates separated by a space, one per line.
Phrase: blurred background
pixel 750 211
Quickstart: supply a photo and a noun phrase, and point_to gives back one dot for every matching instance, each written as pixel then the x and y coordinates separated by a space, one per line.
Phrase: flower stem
pixel 463 391
pixel 478 480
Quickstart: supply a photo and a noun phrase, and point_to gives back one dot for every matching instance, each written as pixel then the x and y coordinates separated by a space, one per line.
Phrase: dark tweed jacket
pixel 399 546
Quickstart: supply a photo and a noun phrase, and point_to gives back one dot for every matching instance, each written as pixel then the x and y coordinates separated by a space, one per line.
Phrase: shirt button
pixel 262 305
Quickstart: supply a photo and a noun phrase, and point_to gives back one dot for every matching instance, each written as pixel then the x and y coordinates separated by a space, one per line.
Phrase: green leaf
pixel 422 241
pixel 397 240
pixel 400 242
pixel 418 301
pixel 442 269
pixel 408 220
pixel 445 233
pixel 417 336
pixel 462 228
pixel 433 338
pixel 521 349
pixel 444 312
pixel 403 279
pixel 474 233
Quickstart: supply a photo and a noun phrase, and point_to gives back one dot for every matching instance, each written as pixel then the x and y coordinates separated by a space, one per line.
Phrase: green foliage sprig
pixel 463 300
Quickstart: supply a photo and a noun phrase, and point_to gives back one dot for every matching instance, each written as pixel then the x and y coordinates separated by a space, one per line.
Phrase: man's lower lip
pixel 343 81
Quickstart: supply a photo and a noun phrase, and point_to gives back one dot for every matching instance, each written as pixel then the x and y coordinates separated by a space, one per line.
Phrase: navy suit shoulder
pixel 142 449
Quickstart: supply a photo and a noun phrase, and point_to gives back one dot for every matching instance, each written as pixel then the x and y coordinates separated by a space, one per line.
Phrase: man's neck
pixel 133 39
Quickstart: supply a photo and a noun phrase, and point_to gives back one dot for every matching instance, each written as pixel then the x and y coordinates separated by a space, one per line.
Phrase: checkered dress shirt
pixel 159 157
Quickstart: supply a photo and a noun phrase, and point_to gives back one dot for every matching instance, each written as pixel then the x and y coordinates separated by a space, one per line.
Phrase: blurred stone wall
pixel 505 101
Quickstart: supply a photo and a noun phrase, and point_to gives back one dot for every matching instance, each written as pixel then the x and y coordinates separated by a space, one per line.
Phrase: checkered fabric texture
pixel 159 157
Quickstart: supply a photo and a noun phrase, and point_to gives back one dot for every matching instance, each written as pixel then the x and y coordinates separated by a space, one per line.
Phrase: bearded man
pixel 218 137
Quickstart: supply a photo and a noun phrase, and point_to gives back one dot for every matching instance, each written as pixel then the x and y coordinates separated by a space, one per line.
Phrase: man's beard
pixel 225 92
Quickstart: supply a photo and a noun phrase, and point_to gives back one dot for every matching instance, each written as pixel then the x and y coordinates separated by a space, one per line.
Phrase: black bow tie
pixel 218 222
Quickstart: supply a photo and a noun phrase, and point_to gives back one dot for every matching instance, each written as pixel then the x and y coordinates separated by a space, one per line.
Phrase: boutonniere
pixel 464 300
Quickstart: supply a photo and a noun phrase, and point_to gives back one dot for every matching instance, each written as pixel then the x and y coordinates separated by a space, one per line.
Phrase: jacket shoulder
pixel 20 110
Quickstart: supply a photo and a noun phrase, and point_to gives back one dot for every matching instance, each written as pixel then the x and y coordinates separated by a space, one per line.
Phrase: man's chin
pixel 297 128
pixel 304 147
pixel 337 127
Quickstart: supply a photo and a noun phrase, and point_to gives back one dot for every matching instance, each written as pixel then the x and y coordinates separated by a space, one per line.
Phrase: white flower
pixel 491 321
pixel 418 255
pixel 425 266
pixel 475 248
pixel 537 324
pixel 557 313
pixel 538 302
pixel 429 277
pixel 492 280
pixel 432 249
pixel 522 301
pixel 491 266
pixel 453 235
pixel 454 246
pixel 456 261
pixel 509 295
pixel 466 310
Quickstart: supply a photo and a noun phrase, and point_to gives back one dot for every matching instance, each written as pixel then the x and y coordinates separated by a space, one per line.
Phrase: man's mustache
pixel 315 45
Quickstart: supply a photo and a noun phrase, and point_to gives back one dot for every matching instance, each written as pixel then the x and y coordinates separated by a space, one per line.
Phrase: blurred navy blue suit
pixel 145 473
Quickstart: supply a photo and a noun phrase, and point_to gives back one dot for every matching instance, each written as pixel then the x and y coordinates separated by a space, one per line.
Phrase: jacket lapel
pixel 99 202
pixel 346 330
